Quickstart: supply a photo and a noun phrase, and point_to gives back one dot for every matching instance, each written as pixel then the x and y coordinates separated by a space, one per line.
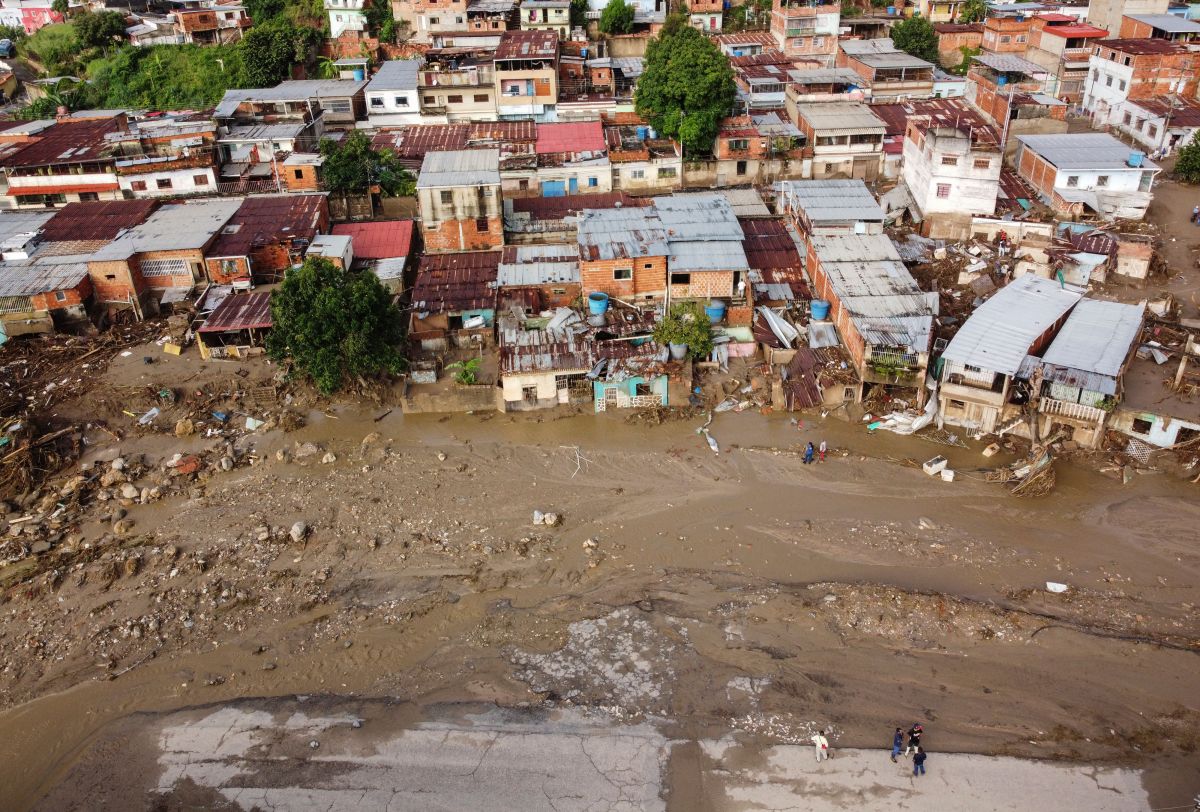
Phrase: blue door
pixel 553 188
pixel 574 185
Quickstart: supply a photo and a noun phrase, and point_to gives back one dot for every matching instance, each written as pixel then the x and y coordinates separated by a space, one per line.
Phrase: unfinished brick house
pixel 162 259
pixel 623 252
pixel 459 197
pixel 267 235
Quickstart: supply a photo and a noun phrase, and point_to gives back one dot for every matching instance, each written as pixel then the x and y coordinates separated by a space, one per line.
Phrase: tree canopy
pixel 579 10
pixel 916 37
pixel 353 167
pixel 617 17
pixel 99 30
pixel 335 325
pixel 1187 165
pixel 686 88
pixel 972 11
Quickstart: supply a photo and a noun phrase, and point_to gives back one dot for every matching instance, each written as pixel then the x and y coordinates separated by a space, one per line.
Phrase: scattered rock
pixel 118 464
pixel 314 744
pixel 299 531
pixel 185 428
pixel 925 523
pixel 282 455
pixel 552 520
pixel 122 527
pixel 305 450
pixel 329 458
pixel 441 456
pixel 130 491
pixel 268 667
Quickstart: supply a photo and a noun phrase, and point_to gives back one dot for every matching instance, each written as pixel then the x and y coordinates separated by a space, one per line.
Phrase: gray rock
pixel 299 531
pixel 329 458
pixel 305 450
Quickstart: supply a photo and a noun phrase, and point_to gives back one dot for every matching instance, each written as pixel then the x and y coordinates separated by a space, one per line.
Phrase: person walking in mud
pixel 1196 214
pixel 808 454
pixel 822 449
pixel 914 739
pixel 820 743
pixel 897 744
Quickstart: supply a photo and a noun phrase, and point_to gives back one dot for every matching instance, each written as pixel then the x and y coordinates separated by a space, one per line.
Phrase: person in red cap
pixel 914 738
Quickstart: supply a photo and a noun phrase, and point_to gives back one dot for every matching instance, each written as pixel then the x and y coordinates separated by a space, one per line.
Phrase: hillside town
pixel 955 240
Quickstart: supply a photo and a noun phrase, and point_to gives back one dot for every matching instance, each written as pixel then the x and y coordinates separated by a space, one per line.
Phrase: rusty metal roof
pixel 242 311
pixel 527 45
pixel 67 142
pixel 452 283
pixel 621 234
pixel 267 219
pixel 96 220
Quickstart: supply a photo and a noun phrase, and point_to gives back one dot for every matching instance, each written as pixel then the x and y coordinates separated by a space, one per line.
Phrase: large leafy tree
pixel 687 86
pixel 335 325
pixel 1187 165
pixel 972 11
pixel 579 10
pixel 100 30
pixel 269 50
pixel 916 37
pixel 617 17
pixel 352 167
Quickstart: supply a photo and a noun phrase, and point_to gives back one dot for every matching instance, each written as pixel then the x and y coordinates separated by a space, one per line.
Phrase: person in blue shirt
pixel 808 453
pixel 919 761
pixel 897 743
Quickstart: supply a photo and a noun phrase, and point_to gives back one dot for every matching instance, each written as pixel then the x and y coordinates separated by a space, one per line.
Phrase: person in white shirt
pixel 821 744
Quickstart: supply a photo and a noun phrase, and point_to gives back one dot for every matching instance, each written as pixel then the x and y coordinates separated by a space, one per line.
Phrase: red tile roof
pixel 572 136
pixel 97 220
pixel 241 311
pixel 260 221
pixel 385 239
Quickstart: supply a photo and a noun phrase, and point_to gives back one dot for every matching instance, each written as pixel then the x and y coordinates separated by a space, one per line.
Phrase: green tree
pixel 100 30
pixel 1187 165
pixel 617 17
pixel 916 37
pixel 352 167
pixel 687 86
pixel 335 325
pixel 687 323
pixel 269 51
pixel 60 7
pixel 579 10
pixel 972 11
pixel 327 68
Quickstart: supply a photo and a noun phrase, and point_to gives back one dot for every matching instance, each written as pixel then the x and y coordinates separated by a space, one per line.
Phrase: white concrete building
pixel 169 182
pixel 392 98
pixel 949 170
pixel 1077 171
pixel 346 16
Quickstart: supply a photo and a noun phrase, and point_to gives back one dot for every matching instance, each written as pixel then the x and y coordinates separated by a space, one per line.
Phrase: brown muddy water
pixel 740 593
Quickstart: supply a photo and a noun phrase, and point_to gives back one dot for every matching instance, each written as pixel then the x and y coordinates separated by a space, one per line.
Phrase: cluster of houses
pixel 554 228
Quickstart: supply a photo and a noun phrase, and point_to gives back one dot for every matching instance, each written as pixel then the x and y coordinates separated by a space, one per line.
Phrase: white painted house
pixel 392 95
pixel 951 170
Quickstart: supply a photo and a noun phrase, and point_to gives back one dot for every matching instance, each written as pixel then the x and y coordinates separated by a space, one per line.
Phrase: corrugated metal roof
pixel 815 76
pixel 716 255
pixel 621 233
pixel 294 90
pixel 698 216
pixel 396 74
pixel 570 136
pixel 1167 22
pixel 858 47
pixel 31 278
pixel 746 203
pixel 265 219
pixel 524 265
pixel 464 167
pixel 841 117
pixel 174 227
pixel 243 311
pixel 96 220
pixel 453 283
pixel 527 45
pixel 1097 337
pixel 1000 333
pixel 831 201
pixel 855 248
pixel 896 59
pixel 380 239
pixel 1083 151
pixel 1010 63
pixel 13 223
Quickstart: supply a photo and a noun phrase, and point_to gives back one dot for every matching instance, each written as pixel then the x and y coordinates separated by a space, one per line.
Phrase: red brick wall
pixel 74 296
pixel 705 284
pixel 649 277
pixel 463 235
pixel 123 284
pixel 219 275
pixel 1037 171
pixel 838 314
pixel 306 182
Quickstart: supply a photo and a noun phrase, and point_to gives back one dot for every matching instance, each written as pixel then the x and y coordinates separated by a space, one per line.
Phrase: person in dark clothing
pixel 808 454
pixel 919 761
pixel 897 743
pixel 914 738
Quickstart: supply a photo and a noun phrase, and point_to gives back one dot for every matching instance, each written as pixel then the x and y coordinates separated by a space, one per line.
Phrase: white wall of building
pixel 968 186
pixel 386 108
pixel 199 180
pixel 1106 89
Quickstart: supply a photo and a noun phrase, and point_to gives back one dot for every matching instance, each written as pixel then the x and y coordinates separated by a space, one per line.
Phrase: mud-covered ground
pixel 743 594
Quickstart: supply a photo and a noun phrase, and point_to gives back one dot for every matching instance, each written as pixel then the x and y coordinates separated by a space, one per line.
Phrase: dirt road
pixel 743 594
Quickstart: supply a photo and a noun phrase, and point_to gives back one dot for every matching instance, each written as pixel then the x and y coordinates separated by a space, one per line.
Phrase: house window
pixel 949 160
pixel 637 174
pixel 1020 37
pixel 558 291
pixel 622 274
pixel 447 197
pixel 454 99
pixel 199 180
pixel 1102 180
pixel 399 101
pixel 648 266
pixel 430 100
pixel 377 101
pixel 1121 84
pixel 163 183
pixel 737 144
pixel 1005 40
pixel 60 295
pixel 138 185
pixel 1141 426
pixel 818 42
pixel 298 174
pixel 1072 181
pixel 594 182
pixel 741 168
pixel 87 197
pixel 1108 81
pixel 642 389
pixel 667 172
pixel 480 98
pixel 1152 131
pixel 434 20
pixel 522 184
pixel 481 225
pixel 164 267
pixel 681 279
pixel 982 163
pixel 529 394
pixel 1128 119
pixel 943 190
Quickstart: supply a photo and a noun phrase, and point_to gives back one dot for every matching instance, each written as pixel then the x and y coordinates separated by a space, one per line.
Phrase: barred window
pixel 16 304
pixel 165 267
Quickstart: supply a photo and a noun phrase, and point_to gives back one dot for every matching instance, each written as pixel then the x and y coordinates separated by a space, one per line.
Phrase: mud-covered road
pixel 743 594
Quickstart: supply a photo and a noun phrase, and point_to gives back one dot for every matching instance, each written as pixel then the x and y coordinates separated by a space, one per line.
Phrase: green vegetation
pixel 972 11
pixel 335 325
pixel 579 9
pixel 968 54
pixel 688 324
pixel 617 17
pixel 466 372
pixel 1187 166
pixel 849 9
pixel 753 15
pixel 352 167
pixel 916 37
pixel 687 86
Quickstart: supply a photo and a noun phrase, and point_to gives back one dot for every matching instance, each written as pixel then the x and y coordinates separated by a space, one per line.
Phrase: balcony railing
pixel 1074 411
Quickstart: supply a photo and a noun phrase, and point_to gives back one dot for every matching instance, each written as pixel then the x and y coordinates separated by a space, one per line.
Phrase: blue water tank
pixel 360 74
pixel 715 311
pixel 583 52
pixel 597 303
pixel 819 308
pixel 891 11
pixel 642 132
pixel 1136 158
pixel 1001 80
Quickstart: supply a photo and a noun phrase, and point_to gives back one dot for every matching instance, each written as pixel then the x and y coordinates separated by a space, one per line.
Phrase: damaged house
pixel 454 300
pixel 1087 172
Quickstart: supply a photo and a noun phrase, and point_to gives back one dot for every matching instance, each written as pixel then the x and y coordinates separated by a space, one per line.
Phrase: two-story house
pixel 842 138
pixel 547 15
pixel 526 75
pixel 1129 69
pixel 392 94
pixel 807 28
pixel 425 19
pixel 457 84
pixel 458 193
pixel 210 22
pixel 1092 171
pixel 952 171
pixel 48 164
pixel 888 71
